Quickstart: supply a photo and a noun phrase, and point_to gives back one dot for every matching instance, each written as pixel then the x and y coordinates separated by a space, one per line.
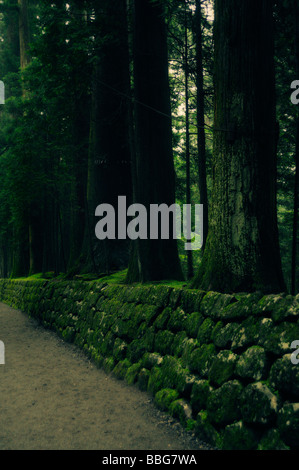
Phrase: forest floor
pixel 54 398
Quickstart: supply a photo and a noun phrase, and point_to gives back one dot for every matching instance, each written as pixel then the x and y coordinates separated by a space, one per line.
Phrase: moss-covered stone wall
pixel 221 364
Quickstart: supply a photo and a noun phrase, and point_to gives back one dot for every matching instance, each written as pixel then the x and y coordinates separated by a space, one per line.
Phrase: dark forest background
pixel 167 101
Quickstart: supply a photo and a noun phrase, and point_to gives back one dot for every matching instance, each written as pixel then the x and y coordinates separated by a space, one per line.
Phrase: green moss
pixel 288 424
pixel 163 342
pixel 181 410
pixel 278 339
pixel 177 320
pixel 201 359
pixel 143 380
pixel 187 346
pixel 174 375
pixel 192 323
pixel 155 380
pixel 205 331
pixel 206 431
pixel 238 436
pixel 121 369
pixel 119 349
pixel 191 299
pixel 132 373
pixel 108 364
pixel 178 344
pixel 252 364
pixel 222 367
pixel 223 403
pixel 69 334
pixel 165 397
pixel 284 376
pixel 199 395
pixel 258 404
pixel 150 360
pixel 222 335
pixel 245 334
pixel 272 441
pixel 162 320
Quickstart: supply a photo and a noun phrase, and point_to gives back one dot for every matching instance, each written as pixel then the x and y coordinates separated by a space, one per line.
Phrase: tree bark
pixel 152 260
pixel 295 250
pixel 242 250
pixel 109 166
pixel 190 272
pixel 201 137
pixel 23 33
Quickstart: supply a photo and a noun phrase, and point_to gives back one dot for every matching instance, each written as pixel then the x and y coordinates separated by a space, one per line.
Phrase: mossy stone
pixel 206 431
pixel 163 342
pixel 222 367
pixel 223 403
pixel 178 344
pixel 162 319
pixel 177 320
pixel 271 440
pixel 222 335
pixel 278 340
pixel 252 364
pixel 143 379
pixel 106 347
pixel 214 303
pixel 136 349
pixel 245 334
pixel 237 436
pixel 165 397
pixel 192 323
pixel 181 410
pixel 190 300
pixel 150 360
pixel 201 358
pixel 199 395
pixel 154 379
pixel 69 334
pixel 119 349
pixel 279 306
pixel 258 404
pixel 288 424
pixel 205 331
pixel 108 364
pixel 121 369
pixel 174 375
pixel 284 376
pixel 132 373
pixel 187 347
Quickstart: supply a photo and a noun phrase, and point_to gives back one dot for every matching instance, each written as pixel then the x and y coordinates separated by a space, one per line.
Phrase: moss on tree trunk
pixel 242 251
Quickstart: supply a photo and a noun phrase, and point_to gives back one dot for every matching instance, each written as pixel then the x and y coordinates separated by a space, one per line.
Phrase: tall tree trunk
pixel 35 235
pixel 23 33
pixel 22 258
pixel 155 178
pixel 81 129
pixel 190 271
pixel 109 166
pixel 296 186
pixel 201 137
pixel 242 250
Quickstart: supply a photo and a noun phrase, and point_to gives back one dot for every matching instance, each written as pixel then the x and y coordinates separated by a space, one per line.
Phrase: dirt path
pixel 53 398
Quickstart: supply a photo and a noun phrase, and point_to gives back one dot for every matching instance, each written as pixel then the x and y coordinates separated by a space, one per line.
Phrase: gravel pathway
pixel 54 398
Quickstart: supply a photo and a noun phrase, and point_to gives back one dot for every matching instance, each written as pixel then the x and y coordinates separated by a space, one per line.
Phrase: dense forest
pixel 163 102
